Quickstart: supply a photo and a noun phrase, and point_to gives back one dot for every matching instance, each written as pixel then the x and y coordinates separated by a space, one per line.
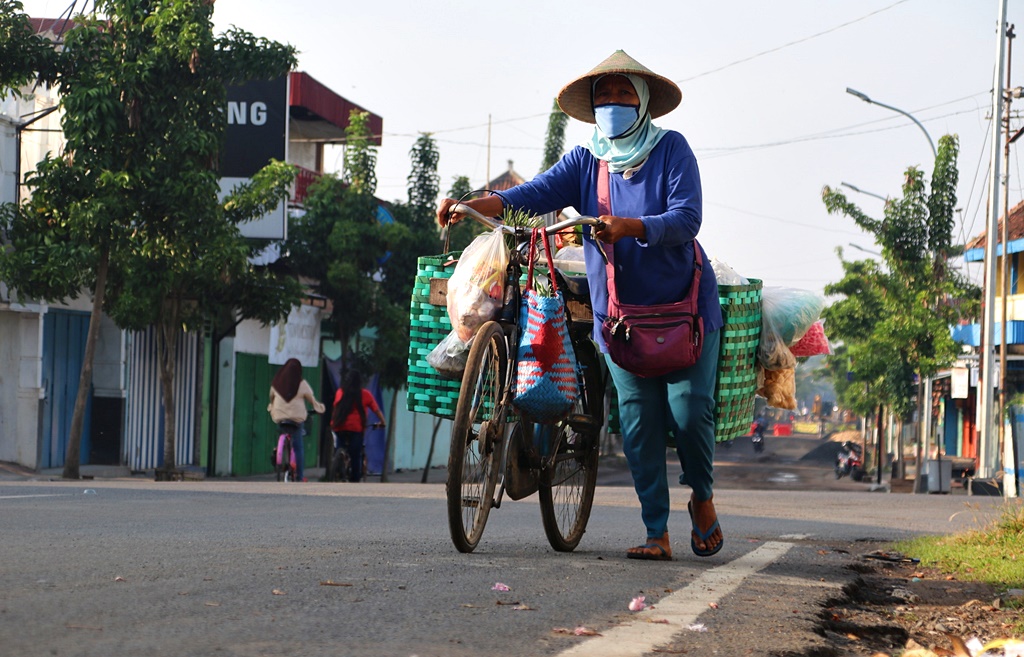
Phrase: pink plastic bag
pixel 813 343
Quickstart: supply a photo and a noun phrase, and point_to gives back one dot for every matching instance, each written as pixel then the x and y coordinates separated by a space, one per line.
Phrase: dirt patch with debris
pixel 895 605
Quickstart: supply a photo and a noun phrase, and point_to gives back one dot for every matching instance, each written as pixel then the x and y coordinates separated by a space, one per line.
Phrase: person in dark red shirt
pixel 348 420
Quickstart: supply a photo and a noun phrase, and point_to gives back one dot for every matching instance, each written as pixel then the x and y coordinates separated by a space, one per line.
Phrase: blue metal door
pixel 64 334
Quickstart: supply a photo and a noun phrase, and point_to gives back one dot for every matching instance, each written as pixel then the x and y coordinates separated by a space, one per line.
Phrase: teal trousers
pixel 681 402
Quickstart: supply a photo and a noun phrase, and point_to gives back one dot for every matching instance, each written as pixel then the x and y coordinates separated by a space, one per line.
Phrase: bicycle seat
pixel 575 285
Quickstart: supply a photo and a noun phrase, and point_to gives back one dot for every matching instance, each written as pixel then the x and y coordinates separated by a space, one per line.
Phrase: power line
pixel 829 134
pixel 791 43
pixel 784 221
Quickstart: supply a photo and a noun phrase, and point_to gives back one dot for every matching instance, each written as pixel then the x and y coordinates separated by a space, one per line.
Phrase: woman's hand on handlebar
pixel 615 228
pixel 489 206
pixel 443 210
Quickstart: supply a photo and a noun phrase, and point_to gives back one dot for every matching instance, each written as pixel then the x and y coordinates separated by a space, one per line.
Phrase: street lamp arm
pixel 862 191
pixel 867 99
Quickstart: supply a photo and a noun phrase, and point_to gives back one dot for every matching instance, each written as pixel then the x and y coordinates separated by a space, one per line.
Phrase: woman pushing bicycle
pixel 348 421
pixel 644 185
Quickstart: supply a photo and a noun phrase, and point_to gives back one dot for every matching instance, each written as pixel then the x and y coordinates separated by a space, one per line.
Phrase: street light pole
pixel 866 99
pixel 861 248
pixel 862 191
pixel 924 386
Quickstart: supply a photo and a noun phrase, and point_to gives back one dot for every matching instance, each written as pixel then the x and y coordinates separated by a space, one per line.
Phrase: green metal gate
pixel 255 435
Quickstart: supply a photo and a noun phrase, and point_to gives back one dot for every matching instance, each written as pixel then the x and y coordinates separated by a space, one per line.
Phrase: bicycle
pixel 341 462
pixel 489 442
pixel 284 458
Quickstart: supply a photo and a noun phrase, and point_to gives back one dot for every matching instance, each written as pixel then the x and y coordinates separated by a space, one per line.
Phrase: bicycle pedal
pixel 584 424
pixel 471 502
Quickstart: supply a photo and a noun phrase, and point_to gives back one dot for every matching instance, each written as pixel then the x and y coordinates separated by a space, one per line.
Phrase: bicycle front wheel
pixel 477 434
pixel 568 477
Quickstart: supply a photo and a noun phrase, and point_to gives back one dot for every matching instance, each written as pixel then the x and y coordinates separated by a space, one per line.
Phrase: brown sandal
pixel 651 551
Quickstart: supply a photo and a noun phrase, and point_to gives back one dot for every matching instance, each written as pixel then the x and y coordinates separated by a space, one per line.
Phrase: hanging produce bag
pixel 477 286
pixel 546 386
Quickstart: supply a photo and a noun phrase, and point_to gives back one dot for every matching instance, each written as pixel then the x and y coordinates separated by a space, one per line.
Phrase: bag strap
pixel 604 207
pixel 533 251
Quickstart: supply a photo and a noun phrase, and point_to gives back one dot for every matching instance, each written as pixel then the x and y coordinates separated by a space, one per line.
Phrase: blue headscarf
pixel 632 149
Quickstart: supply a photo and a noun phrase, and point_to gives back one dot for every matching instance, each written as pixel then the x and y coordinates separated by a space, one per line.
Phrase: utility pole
pixel 1005 241
pixel 986 438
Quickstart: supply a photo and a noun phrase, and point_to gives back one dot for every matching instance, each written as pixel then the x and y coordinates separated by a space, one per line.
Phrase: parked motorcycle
pixel 850 461
pixel 757 433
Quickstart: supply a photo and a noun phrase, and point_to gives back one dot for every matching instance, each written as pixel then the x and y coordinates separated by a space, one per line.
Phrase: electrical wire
pixel 830 134
pixel 791 43
pixel 964 231
pixel 784 221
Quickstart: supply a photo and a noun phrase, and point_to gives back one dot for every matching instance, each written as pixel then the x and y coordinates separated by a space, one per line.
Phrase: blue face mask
pixel 615 120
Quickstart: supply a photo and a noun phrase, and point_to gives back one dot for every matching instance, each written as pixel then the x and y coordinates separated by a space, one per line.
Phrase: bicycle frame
pixel 511 328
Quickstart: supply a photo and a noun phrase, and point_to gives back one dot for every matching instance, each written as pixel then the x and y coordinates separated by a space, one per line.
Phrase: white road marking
pixel 680 609
pixel 18 497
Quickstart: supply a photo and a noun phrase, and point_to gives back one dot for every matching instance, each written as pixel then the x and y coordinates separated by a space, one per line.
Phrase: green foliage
pixel 415 235
pixel 339 242
pixel 464 232
pixel 24 56
pixel 142 86
pixel 554 142
pixel 895 321
pixel 460 187
pixel 424 181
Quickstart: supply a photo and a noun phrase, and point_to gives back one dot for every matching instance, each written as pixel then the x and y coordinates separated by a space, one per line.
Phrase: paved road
pixel 131 567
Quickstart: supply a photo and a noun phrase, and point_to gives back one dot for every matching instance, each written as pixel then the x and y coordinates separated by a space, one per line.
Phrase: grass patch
pixel 993 554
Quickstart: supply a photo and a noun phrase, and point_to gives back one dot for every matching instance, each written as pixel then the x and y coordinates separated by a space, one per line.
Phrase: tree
pixel 419 237
pixel 462 233
pixel 130 210
pixel 896 322
pixel 23 55
pixel 339 241
pixel 415 234
pixel 554 143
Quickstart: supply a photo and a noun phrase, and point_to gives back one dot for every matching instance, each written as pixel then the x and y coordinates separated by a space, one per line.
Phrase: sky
pixel 764 106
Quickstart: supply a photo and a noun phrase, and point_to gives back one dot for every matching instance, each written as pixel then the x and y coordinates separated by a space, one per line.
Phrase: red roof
pixel 312 101
pixel 56 25
pixel 1015 230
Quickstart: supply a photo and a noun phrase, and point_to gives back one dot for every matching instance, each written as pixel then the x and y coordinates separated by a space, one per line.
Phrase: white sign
pixel 299 337
pixel 960 383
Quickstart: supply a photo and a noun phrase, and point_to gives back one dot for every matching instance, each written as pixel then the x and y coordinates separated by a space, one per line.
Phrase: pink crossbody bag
pixel 650 340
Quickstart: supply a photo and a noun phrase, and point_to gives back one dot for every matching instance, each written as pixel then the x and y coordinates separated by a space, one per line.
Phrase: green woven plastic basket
pixel 427 390
pixel 737 372
pixel 737 358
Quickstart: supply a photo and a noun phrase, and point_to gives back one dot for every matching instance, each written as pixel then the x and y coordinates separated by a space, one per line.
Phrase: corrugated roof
pixel 1015 228
pixel 507 180
pixel 55 26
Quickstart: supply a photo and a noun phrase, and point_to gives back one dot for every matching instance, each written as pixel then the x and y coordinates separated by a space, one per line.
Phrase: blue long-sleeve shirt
pixel 665 194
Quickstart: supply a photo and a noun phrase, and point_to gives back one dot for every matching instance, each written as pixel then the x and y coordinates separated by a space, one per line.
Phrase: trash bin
pixel 940 474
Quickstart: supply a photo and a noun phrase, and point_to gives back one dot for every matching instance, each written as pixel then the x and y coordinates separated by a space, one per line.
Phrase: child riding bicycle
pixel 348 422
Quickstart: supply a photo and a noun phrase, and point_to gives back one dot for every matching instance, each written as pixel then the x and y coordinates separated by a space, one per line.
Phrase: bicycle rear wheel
pixel 477 434
pixel 568 479
pixel 339 465
pixel 286 462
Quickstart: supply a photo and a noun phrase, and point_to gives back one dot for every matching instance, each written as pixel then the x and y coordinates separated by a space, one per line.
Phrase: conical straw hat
pixel 575 97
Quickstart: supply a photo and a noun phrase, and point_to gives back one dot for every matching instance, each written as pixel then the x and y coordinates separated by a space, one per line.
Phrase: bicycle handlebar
pixel 462 208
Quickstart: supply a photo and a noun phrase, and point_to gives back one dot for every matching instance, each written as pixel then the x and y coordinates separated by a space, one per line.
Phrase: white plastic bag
pixel 449 356
pixel 786 314
pixel 726 275
pixel 476 287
